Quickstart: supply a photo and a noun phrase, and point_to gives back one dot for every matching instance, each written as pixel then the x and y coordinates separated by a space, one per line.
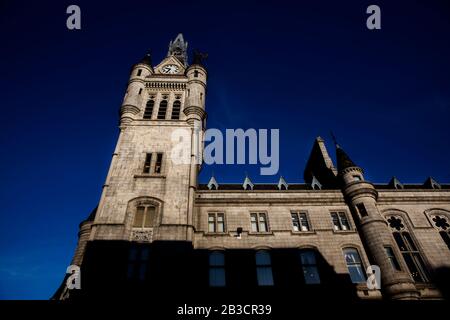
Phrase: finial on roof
pixel 212 184
pixel 282 183
pixel 247 183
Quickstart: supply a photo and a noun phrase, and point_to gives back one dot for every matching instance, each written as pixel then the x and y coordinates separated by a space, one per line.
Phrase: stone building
pixel 157 230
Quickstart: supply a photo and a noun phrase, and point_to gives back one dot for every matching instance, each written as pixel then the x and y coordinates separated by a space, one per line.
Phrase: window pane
pixel 263 258
pixel 392 258
pixel 149 109
pixel 295 222
pixel 147 163
pixel 361 209
pixel 220 227
pixel 311 275
pixel 254 222
pixel 217 277
pixel 336 224
pixel 162 110
pixel 351 256
pixel 445 237
pixel 144 254
pixel 412 267
pixel 409 241
pixel 356 273
pixel 262 222
pixel 304 222
pixel 399 240
pixel 158 163
pixel 264 275
pixel 308 257
pixel 142 271
pixel 150 217
pixel 139 217
pixel 216 259
pixel 176 110
pixel 354 265
pixel 344 222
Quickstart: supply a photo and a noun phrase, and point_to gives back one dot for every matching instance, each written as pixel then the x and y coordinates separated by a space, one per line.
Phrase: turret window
pixel 340 221
pixel 139 72
pixel 195 73
pixel 162 110
pixel 361 209
pixel 176 108
pixel 148 112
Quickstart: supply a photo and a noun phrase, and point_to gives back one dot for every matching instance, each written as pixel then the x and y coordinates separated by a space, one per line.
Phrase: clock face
pixel 170 69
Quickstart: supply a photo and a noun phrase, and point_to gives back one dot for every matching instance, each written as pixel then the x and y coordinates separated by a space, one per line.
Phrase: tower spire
pixel 178 49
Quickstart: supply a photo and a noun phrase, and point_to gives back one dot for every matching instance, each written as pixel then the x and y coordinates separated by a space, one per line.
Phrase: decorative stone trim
pixel 142 235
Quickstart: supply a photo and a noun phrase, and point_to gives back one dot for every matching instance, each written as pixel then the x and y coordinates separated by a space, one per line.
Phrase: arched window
pixel 176 108
pixel 442 224
pixel 162 110
pixel 145 216
pixel 216 269
pixel 354 265
pixel 264 268
pixel 408 248
pixel 149 109
pixel 309 266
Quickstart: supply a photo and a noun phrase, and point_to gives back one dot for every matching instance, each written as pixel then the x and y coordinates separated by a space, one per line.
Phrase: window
pixel 145 217
pixel 176 110
pixel 216 269
pixel 354 265
pixel 216 222
pixel 138 263
pixel 409 250
pixel 357 178
pixel 392 258
pixel 162 110
pixel 264 268
pixel 195 73
pixel 158 164
pixel 340 221
pixel 149 109
pixel 140 91
pixel 147 163
pixel 309 266
pixel 258 222
pixel 300 221
pixel 361 209
pixel 139 72
pixel 443 226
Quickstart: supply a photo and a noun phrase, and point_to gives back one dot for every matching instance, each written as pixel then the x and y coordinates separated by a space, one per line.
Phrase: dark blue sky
pixel 305 69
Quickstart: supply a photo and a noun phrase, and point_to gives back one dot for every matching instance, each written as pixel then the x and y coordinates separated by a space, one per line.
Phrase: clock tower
pixel 148 196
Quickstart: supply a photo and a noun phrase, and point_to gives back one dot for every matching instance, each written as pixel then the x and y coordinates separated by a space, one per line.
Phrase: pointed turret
pixel 343 160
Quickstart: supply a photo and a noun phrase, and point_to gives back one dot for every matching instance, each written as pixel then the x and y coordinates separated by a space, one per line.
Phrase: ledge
pixel 160 176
